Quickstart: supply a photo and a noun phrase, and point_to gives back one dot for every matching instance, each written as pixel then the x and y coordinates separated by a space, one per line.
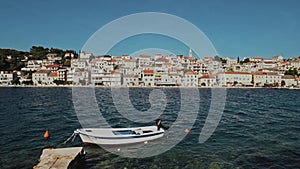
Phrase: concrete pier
pixel 60 158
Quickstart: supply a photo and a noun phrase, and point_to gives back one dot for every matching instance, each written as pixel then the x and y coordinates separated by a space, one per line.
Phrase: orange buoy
pixel 46 134
pixel 186 131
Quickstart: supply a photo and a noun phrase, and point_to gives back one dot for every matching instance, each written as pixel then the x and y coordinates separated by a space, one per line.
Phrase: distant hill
pixel 11 59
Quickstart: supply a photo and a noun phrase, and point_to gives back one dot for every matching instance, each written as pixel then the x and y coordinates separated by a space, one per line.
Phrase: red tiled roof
pixel 287 77
pixel 260 73
pixel 235 73
pixel 148 71
pixel 258 58
pixel 167 64
pixel 191 73
pixel 161 60
pixel 129 60
pixel 113 60
pixel 115 72
pixel 43 71
pixel 54 74
pixel 53 65
pixel 144 56
pixel 269 62
pixel 206 77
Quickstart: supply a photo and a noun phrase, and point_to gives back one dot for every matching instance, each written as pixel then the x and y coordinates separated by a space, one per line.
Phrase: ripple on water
pixel 259 129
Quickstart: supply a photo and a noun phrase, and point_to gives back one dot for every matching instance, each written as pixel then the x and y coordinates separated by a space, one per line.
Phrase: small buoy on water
pixel 145 142
pixel 119 149
pixel 46 134
pixel 186 131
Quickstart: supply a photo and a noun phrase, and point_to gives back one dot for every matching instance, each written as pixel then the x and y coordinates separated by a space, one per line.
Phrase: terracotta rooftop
pixel 129 60
pixel 52 65
pixel 161 60
pixel 167 64
pixel 113 60
pixel 257 58
pixel 43 71
pixel 144 56
pixel 228 73
pixel 115 72
pixel 191 73
pixel 287 77
pixel 206 77
pixel 270 62
pixel 148 71
pixel 54 74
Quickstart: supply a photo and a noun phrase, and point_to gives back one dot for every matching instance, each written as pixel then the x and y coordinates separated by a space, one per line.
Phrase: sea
pixel 258 128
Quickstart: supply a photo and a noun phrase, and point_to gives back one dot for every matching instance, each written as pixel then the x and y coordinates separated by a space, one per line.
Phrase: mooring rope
pixel 73 136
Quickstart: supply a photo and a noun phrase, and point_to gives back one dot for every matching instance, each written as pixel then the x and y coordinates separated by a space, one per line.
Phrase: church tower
pixel 190 53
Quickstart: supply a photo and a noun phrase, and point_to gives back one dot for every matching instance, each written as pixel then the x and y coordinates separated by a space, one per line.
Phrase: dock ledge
pixel 60 158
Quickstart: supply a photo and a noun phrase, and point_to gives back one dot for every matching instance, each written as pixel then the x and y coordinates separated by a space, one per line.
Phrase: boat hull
pixel 119 136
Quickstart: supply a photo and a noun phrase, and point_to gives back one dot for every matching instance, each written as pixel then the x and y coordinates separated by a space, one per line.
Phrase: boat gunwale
pixel 123 136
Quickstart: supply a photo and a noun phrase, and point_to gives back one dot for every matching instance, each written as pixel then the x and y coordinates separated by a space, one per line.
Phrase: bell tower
pixel 190 53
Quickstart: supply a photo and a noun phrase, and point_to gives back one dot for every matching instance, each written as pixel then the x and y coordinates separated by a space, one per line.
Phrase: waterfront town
pixel 85 69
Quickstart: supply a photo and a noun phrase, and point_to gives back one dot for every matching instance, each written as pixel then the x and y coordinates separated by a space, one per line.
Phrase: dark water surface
pixel 260 128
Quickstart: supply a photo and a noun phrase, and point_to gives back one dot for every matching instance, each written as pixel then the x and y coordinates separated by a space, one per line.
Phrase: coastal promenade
pixel 160 87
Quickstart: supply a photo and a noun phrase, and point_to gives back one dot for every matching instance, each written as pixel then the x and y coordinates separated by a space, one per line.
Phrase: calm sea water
pixel 260 128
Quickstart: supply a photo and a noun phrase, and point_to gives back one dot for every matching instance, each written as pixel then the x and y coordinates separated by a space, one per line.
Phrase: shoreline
pixel 160 87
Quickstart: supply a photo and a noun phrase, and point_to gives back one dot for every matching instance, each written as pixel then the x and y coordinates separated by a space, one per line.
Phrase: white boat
pixel 117 136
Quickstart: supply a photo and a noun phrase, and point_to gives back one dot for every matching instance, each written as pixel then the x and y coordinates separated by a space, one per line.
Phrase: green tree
pixel 293 72
pixel 245 61
pixel 217 58
pixel 15 81
pixel 39 52
pixel 10 59
pixel 282 83
pixel 235 83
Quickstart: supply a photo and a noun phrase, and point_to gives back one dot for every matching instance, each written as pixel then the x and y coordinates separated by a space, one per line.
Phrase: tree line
pixel 11 59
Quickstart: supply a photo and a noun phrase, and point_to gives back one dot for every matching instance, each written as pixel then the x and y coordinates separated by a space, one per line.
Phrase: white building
pixel 277 58
pixel 246 67
pixel 129 63
pixel 130 80
pixel 266 78
pixel 144 61
pixel 256 59
pixel 70 75
pixel 33 65
pixel 69 54
pixel 190 79
pixel 148 78
pixel 53 57
pixel 62 74
pixel 269 64
pixel 295 64
pixel 288 81
pixel 81 77
pixel 116 79
pixel 6 77
pixel 44 77
pixel 85 55
pixel 207 81
pixel 234 78
pixel 79 63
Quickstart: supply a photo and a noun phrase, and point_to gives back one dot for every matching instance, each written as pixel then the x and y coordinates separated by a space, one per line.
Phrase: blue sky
pixel 235 27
